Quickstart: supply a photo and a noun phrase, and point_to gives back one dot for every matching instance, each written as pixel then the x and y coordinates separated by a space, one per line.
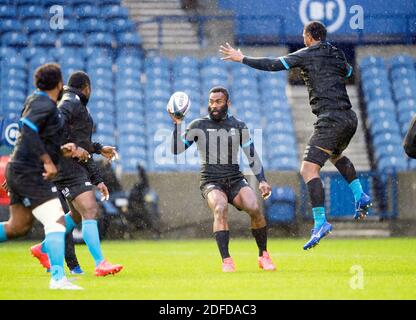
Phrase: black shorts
pixel 73 187
pixel 333 132
pixel 28 188
pixel 231 187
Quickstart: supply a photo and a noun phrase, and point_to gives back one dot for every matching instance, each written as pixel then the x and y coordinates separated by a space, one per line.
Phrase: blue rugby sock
pixel 356 188
pixel 69 225
pixel 318 216
pixel 3 235
pixel 92 239
pixel 55 246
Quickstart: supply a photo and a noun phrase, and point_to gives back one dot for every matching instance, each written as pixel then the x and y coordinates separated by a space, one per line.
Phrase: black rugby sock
pixel 346 169
pixel 223 238
pixel 261 239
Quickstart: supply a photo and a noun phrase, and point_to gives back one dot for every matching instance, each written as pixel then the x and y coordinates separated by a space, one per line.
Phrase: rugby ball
pixel 179 104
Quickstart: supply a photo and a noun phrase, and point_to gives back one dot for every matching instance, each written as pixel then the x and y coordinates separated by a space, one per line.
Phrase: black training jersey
pixel 40 132
pixel 78 128
pixel 218 145
pixel 324 70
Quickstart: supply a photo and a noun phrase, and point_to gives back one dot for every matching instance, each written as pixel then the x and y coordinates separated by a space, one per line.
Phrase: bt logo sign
pixel 11 133
pixel 333 12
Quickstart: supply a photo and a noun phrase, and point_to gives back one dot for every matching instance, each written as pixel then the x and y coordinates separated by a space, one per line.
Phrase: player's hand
pixel 109 153
pixel 50 170
pixel 67 149
pixel 5 186
pixel 174 119
pixel 81 154
pixel 104 191
pixel 266 189
pixel 231 54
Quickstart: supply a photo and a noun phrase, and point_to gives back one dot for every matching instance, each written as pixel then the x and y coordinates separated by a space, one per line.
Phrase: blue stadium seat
pixel 12 106
pixel 100 62
pixel 157 72
pixel 64 53
pixel 100 39
pixel 131 128
pixel 92 25
pixel 7 11
pixel 13 83
pixel 388 150
pixel 123 61
pixel 404 92
pixel 128 83
pixel 31 11
pixel 186 72
pixel 13 61
pixel 70 39
pixel 281 138
pixel 96 104
pixel 384 127
pixel 281 206
pixel 14 39
pixel 103 94
pixel 212 61
pixel 379 116
pixel 381 104
pixel 119 25
pixel 93 52
pixel 406 105
pixel 12 73
pixel 185 61
pixel 387 138
pixel 401 72
pixel 106 139
pixel 402 60
pixel 125 95
pixel 388 164
pixel 43 39
pixel 28 52
pixel 10 25
pixel 36 25
pixel 284 163
pixel 372 61
pixel 87 11
pixel 83 2
pixel 114 11
pixel 157 61
pixel 126 39
pixel 101 73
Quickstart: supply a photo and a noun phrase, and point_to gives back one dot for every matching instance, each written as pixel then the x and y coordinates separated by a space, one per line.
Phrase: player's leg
pixel 39 250
pixel 51 215
pixel 218 203
pixel 19 224
pixel 246 200
pixel 314 159
pixel 86 204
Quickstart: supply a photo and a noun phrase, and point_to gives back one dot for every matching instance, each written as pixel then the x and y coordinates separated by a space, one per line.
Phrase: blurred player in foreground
pixel 33 165
pixel 324 69
pixel 221 179
pixel 75 179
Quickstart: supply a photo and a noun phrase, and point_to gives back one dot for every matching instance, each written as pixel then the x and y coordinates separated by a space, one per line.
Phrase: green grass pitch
pixel 191 269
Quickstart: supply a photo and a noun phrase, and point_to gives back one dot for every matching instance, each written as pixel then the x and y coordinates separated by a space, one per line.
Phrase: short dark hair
pixel 79 80
pixel 317 30
pixel 220 89
pixel 47 76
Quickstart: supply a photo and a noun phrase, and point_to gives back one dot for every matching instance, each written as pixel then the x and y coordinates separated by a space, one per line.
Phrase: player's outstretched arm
pixel 265 64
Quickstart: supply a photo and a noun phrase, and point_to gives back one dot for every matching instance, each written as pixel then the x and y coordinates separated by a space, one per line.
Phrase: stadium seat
pixel 43 39
pixel 31 11
pixel 92 25
pixel 86 11
pixel 100 39
pixel 126 39
pixel 69 39
pixel 35 25
pixel 14 39
pixel 7 12
pixel 120 25
pixel 114 11
pixel 10 25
